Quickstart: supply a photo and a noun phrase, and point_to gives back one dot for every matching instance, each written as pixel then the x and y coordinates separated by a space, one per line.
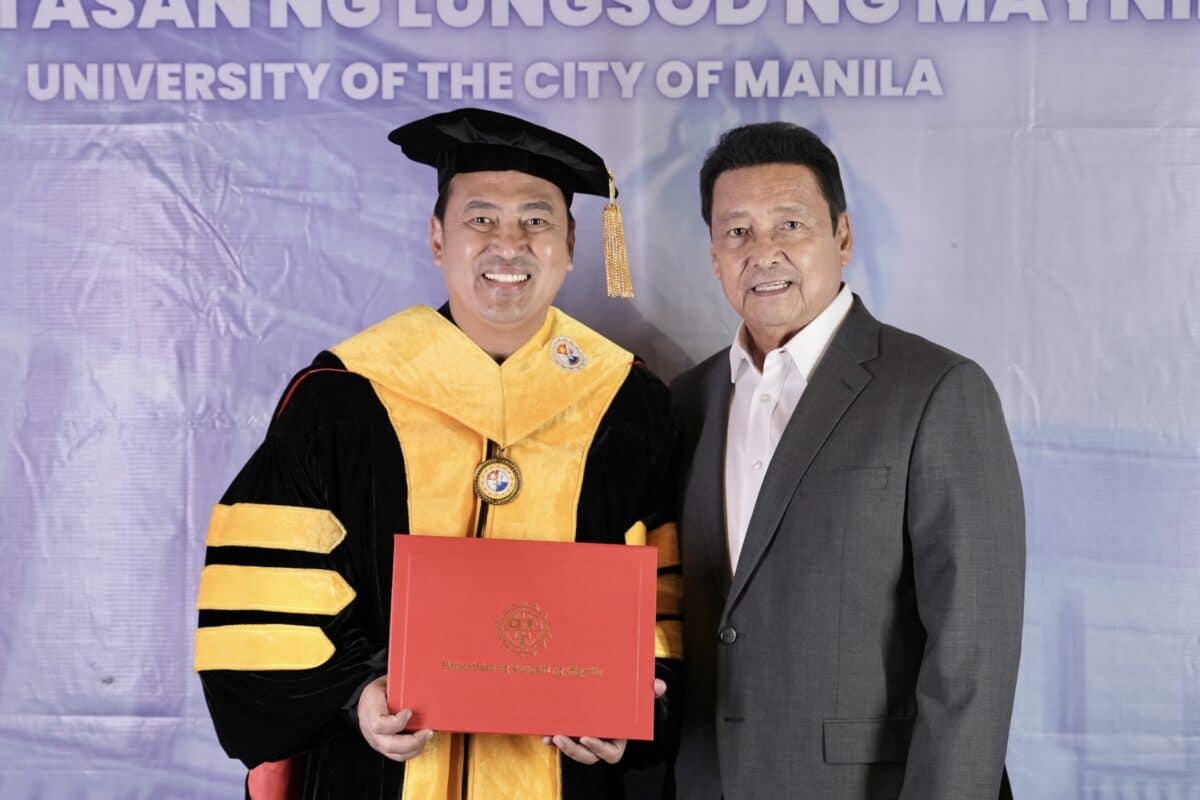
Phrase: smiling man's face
pixel 775 250
pixel 504 246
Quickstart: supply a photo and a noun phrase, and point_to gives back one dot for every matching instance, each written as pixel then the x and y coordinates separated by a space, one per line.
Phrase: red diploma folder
pixel 503 636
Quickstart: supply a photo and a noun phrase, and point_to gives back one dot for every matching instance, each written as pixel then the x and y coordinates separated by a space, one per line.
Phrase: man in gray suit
pixel 852 527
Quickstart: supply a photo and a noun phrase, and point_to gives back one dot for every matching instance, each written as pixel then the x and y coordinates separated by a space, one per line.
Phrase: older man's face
pixel 774 249
pixel 504 248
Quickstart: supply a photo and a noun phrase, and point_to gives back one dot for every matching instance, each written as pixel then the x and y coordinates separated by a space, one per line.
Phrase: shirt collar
pixel 805 347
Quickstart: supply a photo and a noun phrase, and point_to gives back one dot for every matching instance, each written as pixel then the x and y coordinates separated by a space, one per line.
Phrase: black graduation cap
pixel 477 140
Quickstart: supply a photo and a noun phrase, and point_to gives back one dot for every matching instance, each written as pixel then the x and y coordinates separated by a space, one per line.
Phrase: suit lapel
pixel 705 503
pixel 838 379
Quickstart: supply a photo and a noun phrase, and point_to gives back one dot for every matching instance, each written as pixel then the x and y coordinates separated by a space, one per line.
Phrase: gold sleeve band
pixel 668 639
pixel 293 591
pixel 666 539
pixel 258 647
pixel 636 535
pixel 670 594
pixel 311 530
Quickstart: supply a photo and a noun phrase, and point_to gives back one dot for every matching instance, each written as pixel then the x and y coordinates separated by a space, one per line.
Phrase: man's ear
pixel 435 239
pixel 570 244
pixel 844 237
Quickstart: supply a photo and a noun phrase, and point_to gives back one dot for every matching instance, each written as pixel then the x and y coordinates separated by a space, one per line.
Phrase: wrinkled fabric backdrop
pixel 1024 188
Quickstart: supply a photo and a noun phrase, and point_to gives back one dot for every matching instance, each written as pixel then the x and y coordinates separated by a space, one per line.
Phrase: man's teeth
pixel 505 277
pixel 772 286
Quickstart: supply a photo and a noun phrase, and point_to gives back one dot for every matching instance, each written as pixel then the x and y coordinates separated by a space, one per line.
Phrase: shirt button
pixel 756 465
pixel 766 398
pixel 728 635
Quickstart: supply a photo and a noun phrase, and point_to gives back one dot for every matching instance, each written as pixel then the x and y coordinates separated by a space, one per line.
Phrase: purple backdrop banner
pixel 199 196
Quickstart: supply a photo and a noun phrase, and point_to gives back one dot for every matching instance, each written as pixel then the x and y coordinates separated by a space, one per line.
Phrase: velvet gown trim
pixel 423 357
pixel 450 402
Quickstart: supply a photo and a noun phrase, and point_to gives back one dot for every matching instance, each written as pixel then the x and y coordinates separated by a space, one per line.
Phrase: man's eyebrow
pixel 785 208
pixel 481 204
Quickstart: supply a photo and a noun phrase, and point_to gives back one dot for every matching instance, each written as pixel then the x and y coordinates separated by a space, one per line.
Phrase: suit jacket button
pixel 728 635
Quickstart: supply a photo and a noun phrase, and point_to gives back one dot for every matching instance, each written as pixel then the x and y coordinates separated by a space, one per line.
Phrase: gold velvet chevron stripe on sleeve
pixel 259 647
pixel 636 535
pixel 668 633
pixel 293 591
pixel 666 539
pixel 312 530
pixel 670 594
pixel 668 639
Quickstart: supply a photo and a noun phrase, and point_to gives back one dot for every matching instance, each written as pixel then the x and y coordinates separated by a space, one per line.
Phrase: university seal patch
pixel 567 355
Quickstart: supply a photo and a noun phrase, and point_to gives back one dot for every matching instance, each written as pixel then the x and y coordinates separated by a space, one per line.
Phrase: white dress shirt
pixel 762 404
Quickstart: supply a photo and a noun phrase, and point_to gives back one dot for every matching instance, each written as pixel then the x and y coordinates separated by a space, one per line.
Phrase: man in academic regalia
pixel 496 416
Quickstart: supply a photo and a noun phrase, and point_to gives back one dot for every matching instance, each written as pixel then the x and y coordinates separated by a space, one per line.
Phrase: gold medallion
pixel 497 481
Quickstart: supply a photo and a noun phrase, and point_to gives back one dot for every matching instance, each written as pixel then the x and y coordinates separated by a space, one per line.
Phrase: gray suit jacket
pixel 867 645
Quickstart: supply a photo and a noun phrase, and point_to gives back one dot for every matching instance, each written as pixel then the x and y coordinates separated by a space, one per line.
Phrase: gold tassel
pixel 616 258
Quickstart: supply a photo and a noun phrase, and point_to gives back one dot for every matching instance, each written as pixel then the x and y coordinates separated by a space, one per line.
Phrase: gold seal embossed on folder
pixel 524 629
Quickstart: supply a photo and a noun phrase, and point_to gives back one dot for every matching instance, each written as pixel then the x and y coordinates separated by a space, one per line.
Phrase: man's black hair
pixel 439 207
pixel 773 143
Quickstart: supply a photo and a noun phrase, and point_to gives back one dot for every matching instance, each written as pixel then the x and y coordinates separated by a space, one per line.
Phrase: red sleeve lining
pixel 296 383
